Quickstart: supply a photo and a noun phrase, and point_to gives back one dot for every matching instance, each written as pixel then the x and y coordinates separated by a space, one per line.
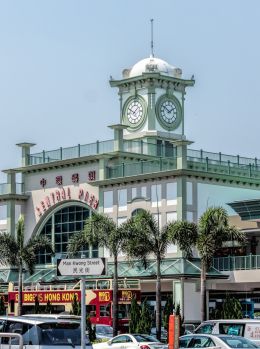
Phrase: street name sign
pixel 81 267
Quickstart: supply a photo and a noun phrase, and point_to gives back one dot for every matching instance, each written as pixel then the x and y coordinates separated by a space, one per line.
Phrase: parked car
pixel 42 333
pixel 132 341
pixel 219 341
pixel 104 331
pixel 247 328
pixel 164 334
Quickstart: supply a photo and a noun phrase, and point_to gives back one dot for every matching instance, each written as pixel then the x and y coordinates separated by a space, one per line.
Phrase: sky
pixel 56 58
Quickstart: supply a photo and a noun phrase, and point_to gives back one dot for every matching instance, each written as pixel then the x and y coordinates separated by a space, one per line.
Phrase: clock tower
pixel 152 95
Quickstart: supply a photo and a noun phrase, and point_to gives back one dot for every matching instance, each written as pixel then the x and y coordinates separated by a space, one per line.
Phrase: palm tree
pixel 213 231
pixel 14 251
pixel 143 237
pixel 102 230
pixel 184 234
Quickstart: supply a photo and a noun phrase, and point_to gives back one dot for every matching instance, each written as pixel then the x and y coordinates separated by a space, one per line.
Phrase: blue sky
pixel 56 57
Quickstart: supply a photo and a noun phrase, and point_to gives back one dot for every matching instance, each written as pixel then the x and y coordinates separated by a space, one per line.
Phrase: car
pixel 132 341
pixel 219 341
pixel 248 328
pixel 104 331
pixel 164 334
pixel 42 333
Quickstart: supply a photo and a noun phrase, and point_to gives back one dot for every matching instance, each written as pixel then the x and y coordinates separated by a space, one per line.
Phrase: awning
pixel 247 209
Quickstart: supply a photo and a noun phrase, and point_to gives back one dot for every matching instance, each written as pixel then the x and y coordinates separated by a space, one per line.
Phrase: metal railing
pixel 4 188
pixel 132 146
pixel 17 336
pixel 163 158
pixel 71 152
pixel 140 167
pixel 230 263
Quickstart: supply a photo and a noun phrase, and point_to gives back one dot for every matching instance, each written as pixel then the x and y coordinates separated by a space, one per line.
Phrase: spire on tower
pixel 152 54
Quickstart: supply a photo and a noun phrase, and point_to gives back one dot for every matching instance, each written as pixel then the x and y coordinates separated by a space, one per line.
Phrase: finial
pixel 152 54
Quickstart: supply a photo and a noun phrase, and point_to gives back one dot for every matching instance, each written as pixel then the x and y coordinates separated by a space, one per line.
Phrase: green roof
pixel 247 209
pixel 170 268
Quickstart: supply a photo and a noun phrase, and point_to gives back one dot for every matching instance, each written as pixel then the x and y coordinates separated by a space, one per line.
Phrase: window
pixel 232 329
pixel 104 310
pixel 171 193
pixel 91 310
pixel 169 150
pixel 119 339
pixel 60 227
pixel 189 193
pixel 156 193
pixel 108 201
pixel 122 199
pixel 134 193
pixel 159 148
pixel 95 251
pixel 190 216
pixel 171 217
pixel 184 342
pixel 54 333
pixel 201 342
pixel 143 192
pixel 206 328
pixel 20 328
pixel 121 220
pixel 158 219
pixel 103 284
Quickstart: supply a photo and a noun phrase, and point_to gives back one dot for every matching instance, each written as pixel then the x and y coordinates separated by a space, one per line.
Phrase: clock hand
pixel 168 111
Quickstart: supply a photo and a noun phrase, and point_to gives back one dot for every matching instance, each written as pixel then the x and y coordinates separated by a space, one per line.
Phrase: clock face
pixel 168 112
pixel 135 111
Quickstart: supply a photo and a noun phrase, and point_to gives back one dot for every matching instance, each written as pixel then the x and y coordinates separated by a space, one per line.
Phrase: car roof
pixel 53 316
pixel 229 321
pixel 210 335
pixel 33 320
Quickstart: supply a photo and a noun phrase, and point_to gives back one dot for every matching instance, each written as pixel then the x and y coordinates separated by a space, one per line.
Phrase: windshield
pixel 145 338
pixel 238 342
pixel 104 329
pixel 60 333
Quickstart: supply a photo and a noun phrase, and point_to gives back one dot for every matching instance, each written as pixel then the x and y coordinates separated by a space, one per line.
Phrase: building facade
pixel 148 164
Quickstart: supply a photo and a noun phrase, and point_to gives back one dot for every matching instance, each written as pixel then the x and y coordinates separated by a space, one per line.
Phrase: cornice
pixel 214 178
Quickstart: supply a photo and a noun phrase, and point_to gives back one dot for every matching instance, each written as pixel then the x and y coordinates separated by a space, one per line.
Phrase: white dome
pixel 153 65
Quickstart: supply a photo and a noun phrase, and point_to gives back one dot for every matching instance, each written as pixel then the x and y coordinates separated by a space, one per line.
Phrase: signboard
pixel 45 296
pixel 252 331
pixel 81 267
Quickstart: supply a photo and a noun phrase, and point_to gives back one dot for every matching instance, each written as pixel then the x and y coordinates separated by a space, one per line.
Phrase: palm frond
pixel 184 234
pixel 76 243
pixel 9 250
pixel 20 232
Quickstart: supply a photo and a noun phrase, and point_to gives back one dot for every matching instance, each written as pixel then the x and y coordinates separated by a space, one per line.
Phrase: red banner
pixel 45 296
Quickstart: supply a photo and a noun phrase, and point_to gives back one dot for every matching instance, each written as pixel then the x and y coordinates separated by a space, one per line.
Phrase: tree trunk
pixel 20 289
pixel 203 291
pixel 158 299
pixel 115 297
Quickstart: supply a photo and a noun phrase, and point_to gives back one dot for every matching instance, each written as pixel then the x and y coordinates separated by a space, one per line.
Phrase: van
pixel 247 328
pixel 42 333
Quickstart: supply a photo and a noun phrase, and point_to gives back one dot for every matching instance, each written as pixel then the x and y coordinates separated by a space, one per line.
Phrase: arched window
pixel 60 227
pixel 136 211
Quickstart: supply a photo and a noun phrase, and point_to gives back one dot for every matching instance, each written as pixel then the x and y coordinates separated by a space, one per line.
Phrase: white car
pixel 215 341
pixel 104 331
pixel 132 341
pixel 41 333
